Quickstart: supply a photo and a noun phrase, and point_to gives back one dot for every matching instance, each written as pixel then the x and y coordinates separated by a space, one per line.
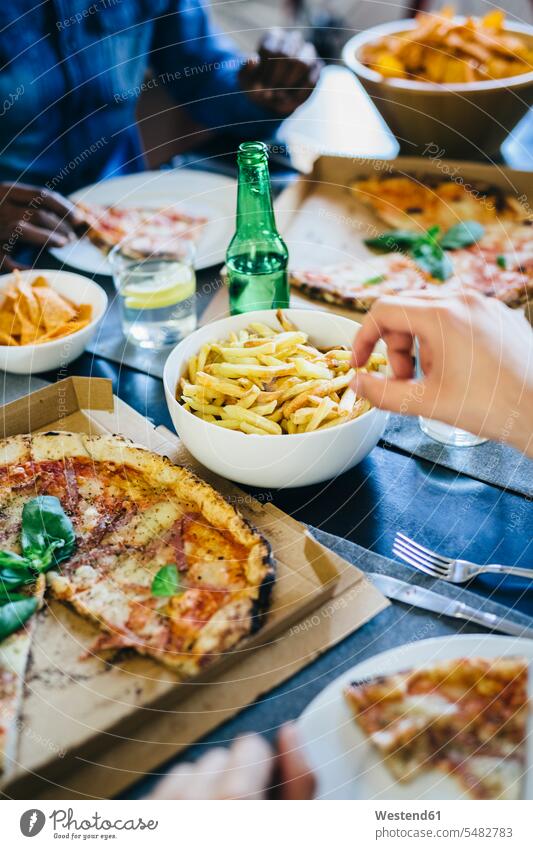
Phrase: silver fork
pixel 446 568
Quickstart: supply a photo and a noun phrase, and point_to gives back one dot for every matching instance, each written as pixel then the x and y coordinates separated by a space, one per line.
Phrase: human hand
pixel 244 771
pixel 29 214
pixel 283 73
pixel 476 356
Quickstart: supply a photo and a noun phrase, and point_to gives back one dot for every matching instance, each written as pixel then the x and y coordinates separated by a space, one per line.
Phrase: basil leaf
pixel 432 233
pixel 13 578
pixel 430 257
pixel 462 235
pixel 8 597
pixel 12 560
pixel 394 240
pixel 501 261
pixel 166 582
pixel 379 278
pixel 47 536
pixel 14 614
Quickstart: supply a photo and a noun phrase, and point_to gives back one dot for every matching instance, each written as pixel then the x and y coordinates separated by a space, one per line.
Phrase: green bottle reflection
pixel 257 257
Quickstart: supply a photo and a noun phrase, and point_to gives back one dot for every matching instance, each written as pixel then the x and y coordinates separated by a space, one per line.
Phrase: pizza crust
pixel 14 658
pixel 240 616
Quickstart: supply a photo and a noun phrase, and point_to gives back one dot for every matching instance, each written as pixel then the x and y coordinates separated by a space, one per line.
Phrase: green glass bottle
pixel 257 257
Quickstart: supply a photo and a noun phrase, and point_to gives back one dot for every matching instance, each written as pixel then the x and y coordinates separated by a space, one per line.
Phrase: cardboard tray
pixel 323 223
pixel 86 721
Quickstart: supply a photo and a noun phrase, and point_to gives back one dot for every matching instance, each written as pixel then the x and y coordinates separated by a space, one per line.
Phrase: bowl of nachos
pixel 47 319
pixel 443 81
pixel 264 398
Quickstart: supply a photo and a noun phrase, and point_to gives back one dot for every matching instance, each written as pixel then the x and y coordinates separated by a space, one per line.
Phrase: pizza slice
pixel 357 284
pixel 162 564
pixel 154 230
pixel 465 717
pixel 14 656
pixel 404 202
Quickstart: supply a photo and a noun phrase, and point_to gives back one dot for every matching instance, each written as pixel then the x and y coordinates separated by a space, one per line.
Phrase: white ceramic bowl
pixel 272 461
pixel 31 359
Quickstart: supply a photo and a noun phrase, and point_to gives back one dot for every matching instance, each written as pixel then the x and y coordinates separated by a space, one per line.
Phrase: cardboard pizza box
pixel 86 720
pixel 324 224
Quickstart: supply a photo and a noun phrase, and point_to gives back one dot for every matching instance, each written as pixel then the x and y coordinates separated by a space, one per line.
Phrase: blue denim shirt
pixel 71 72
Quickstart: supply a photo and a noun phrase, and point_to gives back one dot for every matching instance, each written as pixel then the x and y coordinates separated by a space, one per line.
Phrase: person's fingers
pixel 51 221
pixel 40 236
pixel 208 774
pixel 198 780
pixel 400 354
pixel 398 396
pixel 401 363
pixel 248 769
pixel 296 73
pixel 273 71
pixel 38 198
pixel 249 73
pixel 297 778
pixel 401 315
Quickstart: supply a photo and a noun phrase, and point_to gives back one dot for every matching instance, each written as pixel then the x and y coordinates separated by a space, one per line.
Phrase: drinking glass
pixel 156 291
pixel 440 431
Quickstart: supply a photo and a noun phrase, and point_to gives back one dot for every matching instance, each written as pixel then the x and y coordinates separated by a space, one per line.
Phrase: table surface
pixel 388 491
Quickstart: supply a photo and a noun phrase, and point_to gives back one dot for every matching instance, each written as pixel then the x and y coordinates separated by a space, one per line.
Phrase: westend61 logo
pixel 66 825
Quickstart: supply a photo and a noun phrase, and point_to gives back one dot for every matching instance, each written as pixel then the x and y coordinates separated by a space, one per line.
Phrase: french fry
pixel 205 409
pixel 250 398
pixel 229 424
pixel 333 422
pixel 310 370
pixel 244 415
pixel 325 407
pixel 227 387
pixel 299 387
pixel 284 321
pixel 347 401
pixel 237 352
pixel 264 409
pixel 246 427
pixel 266 382
pixel 264 372
pixel 202 357
pixel 192 368
pixel 262 329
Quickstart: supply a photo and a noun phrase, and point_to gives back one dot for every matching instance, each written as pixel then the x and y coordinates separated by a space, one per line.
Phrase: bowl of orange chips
pixel 444 83
pixel 47 319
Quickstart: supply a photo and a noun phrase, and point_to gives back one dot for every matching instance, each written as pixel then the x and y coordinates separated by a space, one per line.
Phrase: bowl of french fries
pixel 457 83
pixel 47 319
pixel 265 399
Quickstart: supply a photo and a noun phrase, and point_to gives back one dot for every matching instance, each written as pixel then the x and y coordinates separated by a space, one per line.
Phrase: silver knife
pixel 430 600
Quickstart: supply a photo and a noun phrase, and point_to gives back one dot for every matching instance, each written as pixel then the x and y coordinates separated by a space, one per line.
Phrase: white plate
pixel 347 765
pixel 199 192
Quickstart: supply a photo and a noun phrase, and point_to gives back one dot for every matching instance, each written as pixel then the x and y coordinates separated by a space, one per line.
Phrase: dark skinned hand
pixel 35 216
pixel 283 73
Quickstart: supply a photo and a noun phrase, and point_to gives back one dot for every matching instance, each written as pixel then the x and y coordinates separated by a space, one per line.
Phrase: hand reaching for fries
pixel 476 356
pixel 269 382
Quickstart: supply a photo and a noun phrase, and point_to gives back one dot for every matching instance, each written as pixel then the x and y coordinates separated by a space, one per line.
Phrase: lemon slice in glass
pixel 170 287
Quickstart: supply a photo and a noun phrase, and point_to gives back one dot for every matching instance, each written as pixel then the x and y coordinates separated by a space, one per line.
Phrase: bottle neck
pixel 254 200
